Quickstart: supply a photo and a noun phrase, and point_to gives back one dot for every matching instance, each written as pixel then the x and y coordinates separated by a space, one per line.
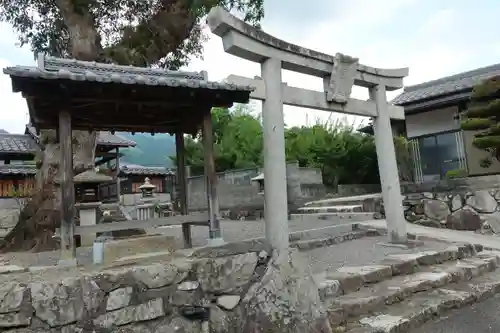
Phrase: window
pixel 439 154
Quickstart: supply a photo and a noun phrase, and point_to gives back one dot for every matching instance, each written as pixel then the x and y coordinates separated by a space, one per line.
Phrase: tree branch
pixel 155 37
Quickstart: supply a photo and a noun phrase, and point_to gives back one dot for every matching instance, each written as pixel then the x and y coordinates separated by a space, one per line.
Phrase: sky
pixel 432 38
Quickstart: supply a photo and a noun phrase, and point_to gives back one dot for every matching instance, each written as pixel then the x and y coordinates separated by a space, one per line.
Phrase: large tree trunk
pixel 41 215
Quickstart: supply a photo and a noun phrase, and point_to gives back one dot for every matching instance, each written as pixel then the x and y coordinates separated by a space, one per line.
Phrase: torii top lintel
pixel 245 41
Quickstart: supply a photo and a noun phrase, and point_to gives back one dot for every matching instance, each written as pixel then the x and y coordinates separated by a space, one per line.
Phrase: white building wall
pixel 435 121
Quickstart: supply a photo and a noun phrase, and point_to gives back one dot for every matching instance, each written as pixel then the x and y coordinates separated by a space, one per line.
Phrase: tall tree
pixel 163 33
pixel 483 118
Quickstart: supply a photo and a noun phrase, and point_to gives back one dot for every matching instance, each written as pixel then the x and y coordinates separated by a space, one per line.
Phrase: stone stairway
pixel 405 290
pixel 354 208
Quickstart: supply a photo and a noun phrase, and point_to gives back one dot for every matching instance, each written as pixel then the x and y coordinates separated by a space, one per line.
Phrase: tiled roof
pixel 104 138
pixel 143 170
pixel 446 86
pixel 18 169
pixel 52 68
pixel 17 144
pixel 108 139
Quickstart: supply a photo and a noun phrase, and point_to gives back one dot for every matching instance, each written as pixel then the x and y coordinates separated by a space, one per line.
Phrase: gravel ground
pixel 242 230
pixel 477 318
pixel 232 231
pixel 363 251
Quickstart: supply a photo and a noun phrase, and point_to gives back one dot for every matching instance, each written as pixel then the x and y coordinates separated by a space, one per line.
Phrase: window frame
pixel 435 135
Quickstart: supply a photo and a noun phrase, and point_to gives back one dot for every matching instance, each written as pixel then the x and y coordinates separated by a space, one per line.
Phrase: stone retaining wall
pixel 179 296
pixel 228 290
pixel 455 209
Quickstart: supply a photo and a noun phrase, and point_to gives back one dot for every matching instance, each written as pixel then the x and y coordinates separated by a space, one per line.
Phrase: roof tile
pixel 71 69
pixel 146 171
pixel 17 144
pixel 18 169
pixel 445 86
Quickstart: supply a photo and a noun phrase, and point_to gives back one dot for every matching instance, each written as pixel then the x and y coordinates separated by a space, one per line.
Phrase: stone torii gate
pixel 339 73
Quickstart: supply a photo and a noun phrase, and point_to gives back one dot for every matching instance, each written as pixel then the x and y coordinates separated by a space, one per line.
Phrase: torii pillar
pixel 339 73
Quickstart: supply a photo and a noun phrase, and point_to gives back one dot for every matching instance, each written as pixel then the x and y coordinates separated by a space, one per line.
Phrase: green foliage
pixel 130 32
pixel 483 117
pixel 457 173
pixel 344 155
pixel 485 163
pixel 404 159
pixel 237 141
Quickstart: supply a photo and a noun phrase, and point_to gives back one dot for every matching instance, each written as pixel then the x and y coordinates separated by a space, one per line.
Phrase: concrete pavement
pixel 488 241
pixel 477 318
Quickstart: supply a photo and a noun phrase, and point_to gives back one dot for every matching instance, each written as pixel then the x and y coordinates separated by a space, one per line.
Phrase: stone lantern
pixel 146 209
pixel 147 188
pixel 87 185
pixel 259 181
pixel 87 200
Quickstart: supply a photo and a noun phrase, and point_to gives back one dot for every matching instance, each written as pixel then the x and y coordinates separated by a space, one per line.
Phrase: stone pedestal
pixel 145 211
pixel 88 216
pixel 286 299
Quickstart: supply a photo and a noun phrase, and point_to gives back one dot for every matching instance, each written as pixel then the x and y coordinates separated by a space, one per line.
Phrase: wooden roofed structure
pixel 119 98
pixel 67 94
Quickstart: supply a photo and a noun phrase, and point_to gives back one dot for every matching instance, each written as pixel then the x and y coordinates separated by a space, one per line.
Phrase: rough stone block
pixel 67 301
pixel 118 248
pixel 119 298
pixel 159 275
pixel 286 299
pixel 147 311
pixel 226 274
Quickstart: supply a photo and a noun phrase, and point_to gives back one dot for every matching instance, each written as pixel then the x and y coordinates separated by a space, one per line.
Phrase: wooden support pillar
pixel 117 174
pixel 68 249
pixel 211 181
pixel 181 184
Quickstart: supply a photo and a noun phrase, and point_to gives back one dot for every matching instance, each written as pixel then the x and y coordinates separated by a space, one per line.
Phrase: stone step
pixel 397 289
pixel 412 312
pixel 350 279
pixel 351 200
pixel 352 216
pixel 331 209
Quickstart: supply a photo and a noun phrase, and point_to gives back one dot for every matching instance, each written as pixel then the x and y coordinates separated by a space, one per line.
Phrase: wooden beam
pixel 117 175
pixel 316 99
pixel 182 183
pixel 68 248
pixel 193 219
pixel 181 172
pixel 211 178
